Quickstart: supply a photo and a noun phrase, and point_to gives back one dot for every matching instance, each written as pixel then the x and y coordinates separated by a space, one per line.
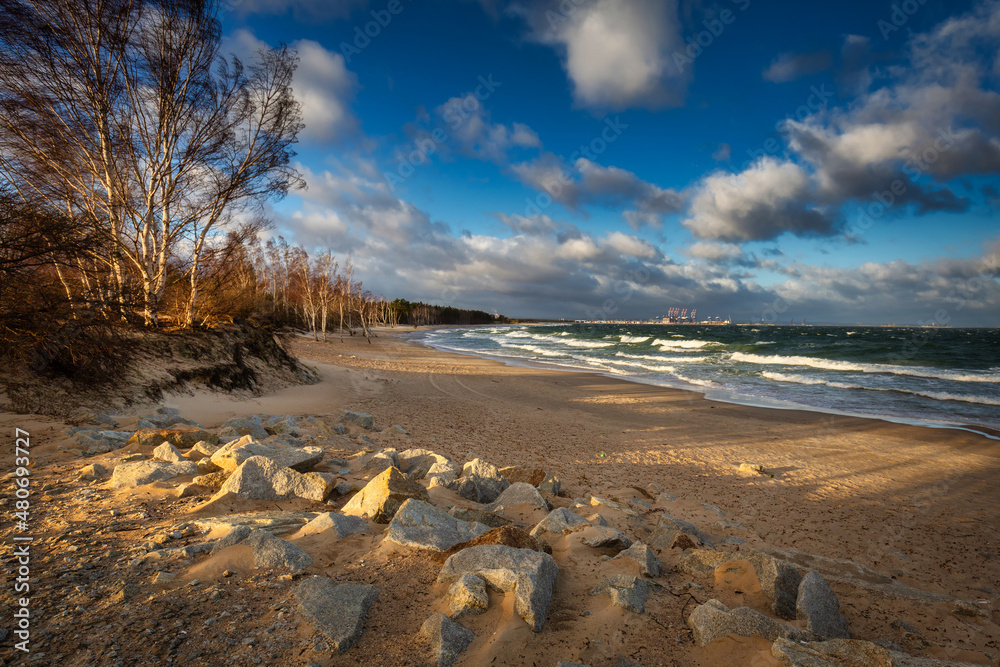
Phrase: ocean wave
pixel 850 366
pixel 634 339
pixel 936 395
pixel 696 381
pixel 660 357
pixel 635 364
pixel 684 344
pixel 585 343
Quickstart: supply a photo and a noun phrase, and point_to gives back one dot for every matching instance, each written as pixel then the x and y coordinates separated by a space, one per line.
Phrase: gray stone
pixel 714 620
pixel 383 495
pixel 519 493
pixel 269 552
pixel 818 606
pixel 104 418
pixel 529 574
pixel 260 478
pixel 164 421
pixel 241 426
pixel 399 429
pixel 833 653
pixel 179 435
pixel 98 441
pixel 94 471
pixel 626 592
pixel 649 564
pixel 338 524
pixel 486 518
pixel 550 484
pixel 667 525
pixel 605 537
pixel 362 419
pixel 703 562
pixel 202 449
pixel 468 596
pixel 779 581
pixel 147 472
pixel 167 452
pixel 301 459
pixel 417 464
pixel 337 611
pixel 448 639
pixel 379 461
pixel 480 482
pixel 420 525
pixel 282 425
pixel 234 537
pixel 559 520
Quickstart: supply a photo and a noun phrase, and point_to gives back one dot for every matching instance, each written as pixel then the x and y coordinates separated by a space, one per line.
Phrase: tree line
pixel 136 162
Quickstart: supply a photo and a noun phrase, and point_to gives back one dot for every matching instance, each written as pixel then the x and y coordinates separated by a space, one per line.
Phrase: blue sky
pixel 834 162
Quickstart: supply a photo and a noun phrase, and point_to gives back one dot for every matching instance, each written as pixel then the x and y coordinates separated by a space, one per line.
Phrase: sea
pixel 930 376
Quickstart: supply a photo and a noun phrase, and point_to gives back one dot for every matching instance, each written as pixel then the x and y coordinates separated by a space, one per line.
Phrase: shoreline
pixel 719 396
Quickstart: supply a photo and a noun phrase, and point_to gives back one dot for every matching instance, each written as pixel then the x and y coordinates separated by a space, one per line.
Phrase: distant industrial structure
pixel 675 315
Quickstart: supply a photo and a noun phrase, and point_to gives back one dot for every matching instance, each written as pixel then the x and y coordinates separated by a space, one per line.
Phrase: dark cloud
pixel 791 66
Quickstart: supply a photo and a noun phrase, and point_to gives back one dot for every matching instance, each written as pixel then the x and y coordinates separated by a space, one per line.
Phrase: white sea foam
pixel 585 343
pixel 684 344
pixel 850 366
pixel 634 339
pixel 936 395
pixel 660 357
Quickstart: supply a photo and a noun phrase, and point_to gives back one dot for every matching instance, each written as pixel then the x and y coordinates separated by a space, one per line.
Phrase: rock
pixel 383 495
pixel 147 472
pixel 346 488
pixel 833 653
pixel 362 419
pixel 550 484
pixel 167 452
pixel 206 467
pixel 379 461
pixel 241 426
pixel 626 592
pixel 480 482
pixel 508 536
pixel 93 471
pixel 179 436
pixel 448 639
pixel 98 441
pixel 702 562
pixel 604 537
pixel 818 606
pixel 202 449
pixel 212 480
pixel 714 620
pixel 486 518
pixel 420 525
pixel 597 520
pixel 260 478
pixel 269 552
pixel 667 525
pixel 417 463
pixel 164 421
pixel 339 524
pixel 750 469
pixel 399 429
pixel 530 575
pixel 515 474
pixel 192 490
pixel 649 564
pixel 276 522
pixel 682 541
pixel 337 611
pixel 779 581
pixel 558 521
pixel 163 578
pixel 103 418
pixel 519 493
pixel 468 596
pixel 283 425
pixel 610 504
pixel 301 459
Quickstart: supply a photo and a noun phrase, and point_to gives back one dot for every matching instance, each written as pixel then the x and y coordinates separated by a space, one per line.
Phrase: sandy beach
pixel 901 520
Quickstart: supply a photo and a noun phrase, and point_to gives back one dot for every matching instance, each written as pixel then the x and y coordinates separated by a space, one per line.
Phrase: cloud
pixel 715 252
pixel 895 148
pixel 322 85
pixel 761 203
pixel 617 54
pixel 472 133
pixel 791 66
pixel 588 183
pixel 722 153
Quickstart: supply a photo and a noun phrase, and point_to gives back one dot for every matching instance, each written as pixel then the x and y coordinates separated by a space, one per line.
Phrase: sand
pixel 917 505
